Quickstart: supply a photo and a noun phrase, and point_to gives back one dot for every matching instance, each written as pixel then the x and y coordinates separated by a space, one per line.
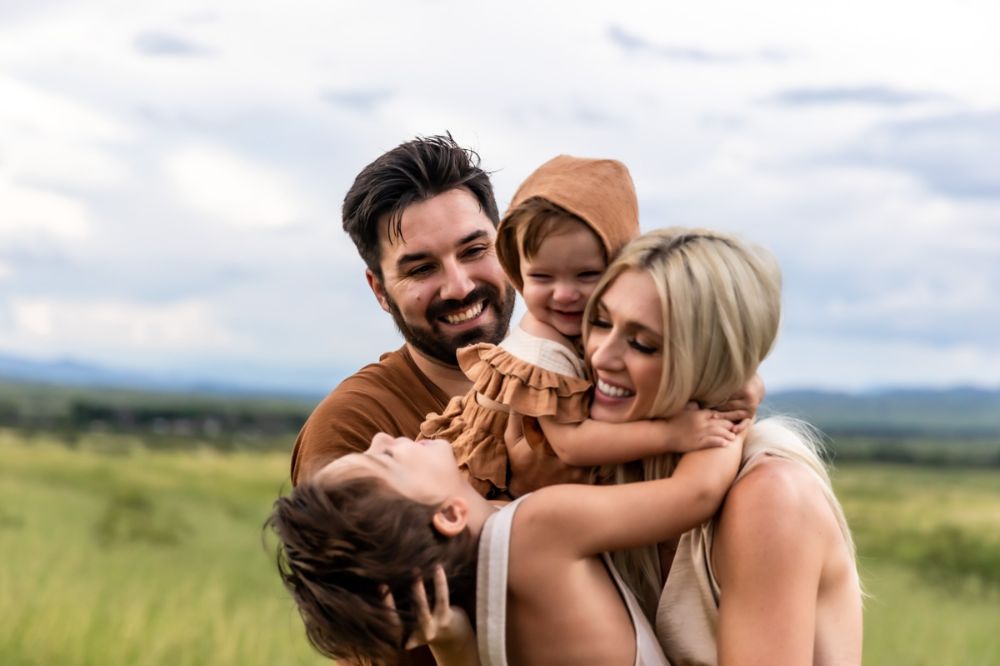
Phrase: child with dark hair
pixel 355 536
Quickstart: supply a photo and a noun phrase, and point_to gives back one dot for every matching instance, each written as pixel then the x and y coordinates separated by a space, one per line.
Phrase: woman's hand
pixel 445 630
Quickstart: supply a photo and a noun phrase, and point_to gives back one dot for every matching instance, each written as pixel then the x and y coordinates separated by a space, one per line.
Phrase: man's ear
pixel 377 288
pixel 452 517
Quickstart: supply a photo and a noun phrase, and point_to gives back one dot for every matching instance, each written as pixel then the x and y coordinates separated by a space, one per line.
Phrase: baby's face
pixel 424 471
pixel 560 278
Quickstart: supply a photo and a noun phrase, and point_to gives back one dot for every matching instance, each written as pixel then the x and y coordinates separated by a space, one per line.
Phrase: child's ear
pixel 452 517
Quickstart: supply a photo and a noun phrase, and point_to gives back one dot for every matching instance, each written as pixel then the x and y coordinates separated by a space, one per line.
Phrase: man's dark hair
pixel 343 545
pixel 410 173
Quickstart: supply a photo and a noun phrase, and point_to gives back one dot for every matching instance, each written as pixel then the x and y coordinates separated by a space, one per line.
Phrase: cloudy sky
pixel 171 173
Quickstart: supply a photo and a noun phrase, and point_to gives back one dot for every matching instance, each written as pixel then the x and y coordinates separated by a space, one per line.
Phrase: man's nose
pixel 457 282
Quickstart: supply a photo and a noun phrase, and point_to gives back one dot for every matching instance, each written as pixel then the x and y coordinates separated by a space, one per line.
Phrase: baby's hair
pixel 343 544
pixel 526 227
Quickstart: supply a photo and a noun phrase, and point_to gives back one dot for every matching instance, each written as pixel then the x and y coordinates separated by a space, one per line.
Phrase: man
pixel 423 217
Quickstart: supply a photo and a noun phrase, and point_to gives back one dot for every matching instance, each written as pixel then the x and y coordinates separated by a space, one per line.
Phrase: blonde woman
pixel 687 315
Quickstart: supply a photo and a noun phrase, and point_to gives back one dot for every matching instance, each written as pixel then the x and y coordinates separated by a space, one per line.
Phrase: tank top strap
pixel 491 586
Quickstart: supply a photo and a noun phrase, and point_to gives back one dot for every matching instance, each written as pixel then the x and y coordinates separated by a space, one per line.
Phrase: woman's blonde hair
pixel 721 304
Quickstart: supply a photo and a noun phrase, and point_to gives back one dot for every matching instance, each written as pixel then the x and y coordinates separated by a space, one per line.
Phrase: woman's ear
pixel 452 517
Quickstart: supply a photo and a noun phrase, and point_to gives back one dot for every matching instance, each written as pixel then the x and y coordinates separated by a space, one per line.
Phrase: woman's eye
pixel 643 349
pixel 600 323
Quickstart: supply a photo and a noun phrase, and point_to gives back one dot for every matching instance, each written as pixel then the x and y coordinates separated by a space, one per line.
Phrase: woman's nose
pixel 606 355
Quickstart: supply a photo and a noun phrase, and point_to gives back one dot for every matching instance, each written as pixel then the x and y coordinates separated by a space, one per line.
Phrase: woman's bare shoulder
pixel 777 502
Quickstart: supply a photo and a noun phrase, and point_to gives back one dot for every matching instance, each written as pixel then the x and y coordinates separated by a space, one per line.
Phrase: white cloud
pixel 109 326
pixel 231 188
pixel 57 139
pixel 858 364
pixel 26 211
pixel 133 153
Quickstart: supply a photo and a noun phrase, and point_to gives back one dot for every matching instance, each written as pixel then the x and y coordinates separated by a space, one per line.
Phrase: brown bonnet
pixel 598 191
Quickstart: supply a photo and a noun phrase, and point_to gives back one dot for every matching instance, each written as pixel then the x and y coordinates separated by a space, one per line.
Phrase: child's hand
pixel 694 429
pixel 444 627
pixel 741 408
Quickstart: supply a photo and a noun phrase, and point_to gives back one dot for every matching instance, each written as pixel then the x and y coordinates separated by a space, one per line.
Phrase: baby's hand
pixel 694 429
pixel 741 408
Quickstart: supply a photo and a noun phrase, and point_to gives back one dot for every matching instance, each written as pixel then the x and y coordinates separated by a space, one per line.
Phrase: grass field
pixel 117 555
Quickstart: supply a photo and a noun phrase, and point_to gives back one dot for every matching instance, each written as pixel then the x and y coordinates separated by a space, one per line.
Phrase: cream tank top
pixel 491 597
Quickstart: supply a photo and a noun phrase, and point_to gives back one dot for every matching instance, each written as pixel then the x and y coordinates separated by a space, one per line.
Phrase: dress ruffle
pixel 526 388
pixel 476 432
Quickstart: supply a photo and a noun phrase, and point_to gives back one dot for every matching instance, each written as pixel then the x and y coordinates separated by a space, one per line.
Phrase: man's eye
pixel 474 252
pixel 420 271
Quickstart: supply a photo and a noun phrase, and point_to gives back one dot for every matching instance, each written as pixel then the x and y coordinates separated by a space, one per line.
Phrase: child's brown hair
pixel 344 544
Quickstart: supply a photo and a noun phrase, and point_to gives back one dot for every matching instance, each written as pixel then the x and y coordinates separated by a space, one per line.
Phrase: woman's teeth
pixel 465 315
pixel 613 391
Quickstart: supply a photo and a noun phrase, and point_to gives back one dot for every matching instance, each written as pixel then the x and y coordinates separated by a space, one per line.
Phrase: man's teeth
pixel 613 391
pixel 465 315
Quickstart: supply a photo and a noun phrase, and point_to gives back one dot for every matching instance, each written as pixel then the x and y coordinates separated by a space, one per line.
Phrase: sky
pixel 171 173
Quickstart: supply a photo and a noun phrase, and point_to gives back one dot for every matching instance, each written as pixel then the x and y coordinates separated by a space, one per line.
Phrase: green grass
pixel 929 552
pixel 140 558
pixel 115 554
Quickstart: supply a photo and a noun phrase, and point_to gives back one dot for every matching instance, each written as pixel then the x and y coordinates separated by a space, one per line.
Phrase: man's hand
pixel 741 408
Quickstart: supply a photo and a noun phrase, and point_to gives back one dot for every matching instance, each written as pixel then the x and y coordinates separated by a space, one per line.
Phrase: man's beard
pixel 429 339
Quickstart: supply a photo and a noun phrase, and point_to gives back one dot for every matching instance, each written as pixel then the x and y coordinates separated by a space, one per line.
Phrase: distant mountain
pixel 964 411
pixel 70 372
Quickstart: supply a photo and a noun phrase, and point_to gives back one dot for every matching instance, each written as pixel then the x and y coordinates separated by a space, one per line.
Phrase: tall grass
pixel 114 554
pixel 929 546
pixel 140 558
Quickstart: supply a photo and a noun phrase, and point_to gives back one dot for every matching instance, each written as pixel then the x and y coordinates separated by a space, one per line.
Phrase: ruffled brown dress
pixel 526 375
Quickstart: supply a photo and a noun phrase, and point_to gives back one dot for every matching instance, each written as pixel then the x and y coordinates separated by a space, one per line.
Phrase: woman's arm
pixel 593 442
pixel 578 521
pixel 774 532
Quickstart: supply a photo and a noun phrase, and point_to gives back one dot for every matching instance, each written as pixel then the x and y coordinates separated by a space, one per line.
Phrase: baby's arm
pixel 585 520
pixel 593 442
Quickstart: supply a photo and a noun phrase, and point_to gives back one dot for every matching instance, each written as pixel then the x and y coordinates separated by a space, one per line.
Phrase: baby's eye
pixel 589 275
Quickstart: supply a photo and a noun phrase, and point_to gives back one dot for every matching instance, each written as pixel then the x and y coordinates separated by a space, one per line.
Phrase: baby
pixel 565 223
